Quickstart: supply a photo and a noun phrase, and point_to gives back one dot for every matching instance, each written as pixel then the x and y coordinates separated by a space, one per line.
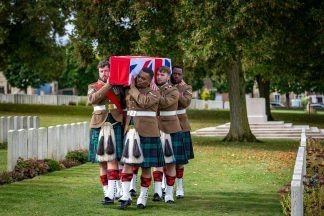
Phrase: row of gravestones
pixel 208 104
pixel 41 99
pixel 15 123
pixel 297 183
pixel 53 142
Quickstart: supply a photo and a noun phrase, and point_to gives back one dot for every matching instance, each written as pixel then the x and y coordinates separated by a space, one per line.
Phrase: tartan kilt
pixel 179 149
pixel 94 139
pixel 152 152
pixel 188 145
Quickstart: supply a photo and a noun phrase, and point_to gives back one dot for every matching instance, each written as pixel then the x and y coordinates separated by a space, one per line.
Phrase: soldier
pixel 171 135
pixel 185 97
pixel 142 142
pixel 106 136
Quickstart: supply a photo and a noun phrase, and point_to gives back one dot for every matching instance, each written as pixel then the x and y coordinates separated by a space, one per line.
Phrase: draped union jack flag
pixel 123 67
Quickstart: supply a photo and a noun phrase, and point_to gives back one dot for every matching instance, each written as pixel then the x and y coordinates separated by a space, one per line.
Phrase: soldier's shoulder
pixel 155 93
pixel 187 86
pixel 92 84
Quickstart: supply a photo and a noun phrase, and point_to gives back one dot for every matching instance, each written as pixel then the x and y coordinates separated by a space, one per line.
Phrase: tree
pixel 222 34
pixel 106 26
pixel 28 34
pixel 78 73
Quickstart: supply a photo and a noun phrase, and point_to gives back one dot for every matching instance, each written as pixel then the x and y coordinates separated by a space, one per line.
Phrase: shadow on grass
pixel 206 203
pixel 266 144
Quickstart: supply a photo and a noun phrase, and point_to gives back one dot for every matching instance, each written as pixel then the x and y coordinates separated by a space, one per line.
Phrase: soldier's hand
pixel 132 85
pixel 153 85
pixel 182 83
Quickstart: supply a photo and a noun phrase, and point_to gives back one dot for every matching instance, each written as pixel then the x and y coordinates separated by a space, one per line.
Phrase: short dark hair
pixel 149 71
pixel 177 66
pixel 164 69
pixel 103 63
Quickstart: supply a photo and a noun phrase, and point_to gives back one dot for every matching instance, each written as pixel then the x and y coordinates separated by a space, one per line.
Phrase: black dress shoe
pixel 180 197
pixel 107 201
pixel 132 193
pixel 156 197
pixel 170 202
pixel 124 204
pixel 141 206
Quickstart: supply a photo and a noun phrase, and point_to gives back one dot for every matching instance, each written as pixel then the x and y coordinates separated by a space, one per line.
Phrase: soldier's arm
pixel 185 97
pixel 145 101
pixel 95 96
pixel 170 98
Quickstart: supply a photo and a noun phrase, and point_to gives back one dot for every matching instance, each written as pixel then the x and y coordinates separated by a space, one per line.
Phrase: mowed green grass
pixel 223 179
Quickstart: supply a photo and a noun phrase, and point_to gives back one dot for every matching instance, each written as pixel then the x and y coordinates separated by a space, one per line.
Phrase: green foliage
pixel 28 43
pixel 82 103
pixel 313 182
pixel 304 101
pixel 53 165
pixel 78 73
pixel 205 95
pixel 77 155
pixel 69 163
pixel 3 145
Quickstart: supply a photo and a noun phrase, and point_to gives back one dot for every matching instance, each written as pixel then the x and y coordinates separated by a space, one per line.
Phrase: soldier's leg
pixel 145 184
pixel 158 177
pixel 179 174
pixel 127 176
pixel 104 180
pixel 113 176
pixel 119 191
pixel 133 187
pixel 170 179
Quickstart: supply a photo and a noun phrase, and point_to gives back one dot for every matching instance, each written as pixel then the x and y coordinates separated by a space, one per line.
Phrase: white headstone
pixel 52 142
pixel 12 149
pixel 73 133
pixel 30 123
pixel 32 149
pixel 60 145
pixel 297 205
pixel 22 143
pixel 23 120
pixel 3 129
pixel 86 132
pixel 256 110
pixel 42 143
pixel 17 123
pixel 36 122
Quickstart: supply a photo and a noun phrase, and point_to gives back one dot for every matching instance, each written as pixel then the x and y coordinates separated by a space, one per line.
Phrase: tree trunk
pixel 239 128
pixel 264 90
pixel 287 101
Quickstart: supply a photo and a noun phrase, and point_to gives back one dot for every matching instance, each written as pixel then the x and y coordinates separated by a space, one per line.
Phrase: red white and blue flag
pixel 122 68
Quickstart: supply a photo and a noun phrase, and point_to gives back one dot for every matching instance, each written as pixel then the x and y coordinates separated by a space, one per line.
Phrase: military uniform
pixel 185 97
pixel 142 105
pixel 104 111
pixel 169 122
pixel 183 103
pixel 142 128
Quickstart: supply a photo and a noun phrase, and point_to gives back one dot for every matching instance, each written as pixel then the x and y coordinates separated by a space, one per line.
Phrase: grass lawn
pixel 300 117
pixel 223 179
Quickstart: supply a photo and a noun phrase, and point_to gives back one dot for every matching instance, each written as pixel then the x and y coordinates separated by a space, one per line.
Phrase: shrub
pixel 205 95
pixel 313 181
pixel 53 165
pixel 70 163
pixel 78 155
pixel 82 102
pixel 6 178
pixel 3 145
